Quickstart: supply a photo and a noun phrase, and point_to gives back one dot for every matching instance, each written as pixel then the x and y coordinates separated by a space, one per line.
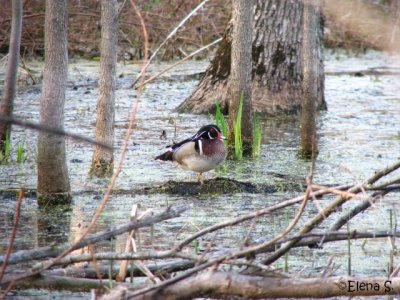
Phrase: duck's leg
pixel 200 178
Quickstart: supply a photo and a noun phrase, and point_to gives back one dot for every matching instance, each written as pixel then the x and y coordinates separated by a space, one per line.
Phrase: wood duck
pixel 199 153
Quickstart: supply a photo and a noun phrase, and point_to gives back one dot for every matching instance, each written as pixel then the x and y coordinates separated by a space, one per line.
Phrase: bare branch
pixel 329 209
pixel 52 130
pixel 178 62
pixel 250 216
pixel 160 267
pixel 171 34
pixel 52 251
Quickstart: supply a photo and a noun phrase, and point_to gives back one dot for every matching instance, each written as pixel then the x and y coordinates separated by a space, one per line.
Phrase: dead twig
pixel 177 63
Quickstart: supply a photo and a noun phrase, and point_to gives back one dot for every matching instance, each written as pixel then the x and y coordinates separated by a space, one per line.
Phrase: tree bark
pixel 277 66
pixel 240 79
pixel 311 66
pixel 103 159
pixel 53 185
pixel 7 102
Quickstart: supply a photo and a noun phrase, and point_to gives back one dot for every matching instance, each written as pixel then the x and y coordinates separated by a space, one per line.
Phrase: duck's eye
pixel 212 133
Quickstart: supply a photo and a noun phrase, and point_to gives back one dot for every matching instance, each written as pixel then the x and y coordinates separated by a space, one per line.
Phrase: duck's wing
pixel 186 147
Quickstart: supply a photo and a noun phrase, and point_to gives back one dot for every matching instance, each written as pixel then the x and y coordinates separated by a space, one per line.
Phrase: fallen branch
pixel 250 216
pixel 219 284
pixel 356 210
pixel 328 210
pixel 52 282
pixel 239 253
pixel 52 251
pixel 309 239
pixel 163 268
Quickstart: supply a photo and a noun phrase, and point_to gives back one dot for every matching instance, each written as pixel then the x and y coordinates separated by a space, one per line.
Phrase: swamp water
pixel 358 134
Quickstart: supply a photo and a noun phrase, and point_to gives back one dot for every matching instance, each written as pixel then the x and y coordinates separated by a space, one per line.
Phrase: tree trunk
pixel 103 159
pixel 53 183
pixel 277 67
pixel 7 102
pixel 311 61
pixel 240 79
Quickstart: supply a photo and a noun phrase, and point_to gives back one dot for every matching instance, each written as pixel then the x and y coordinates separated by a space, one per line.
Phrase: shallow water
pixel 358 134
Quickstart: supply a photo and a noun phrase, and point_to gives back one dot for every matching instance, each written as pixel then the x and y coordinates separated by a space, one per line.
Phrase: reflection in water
pixel 27 231
pixel 52 223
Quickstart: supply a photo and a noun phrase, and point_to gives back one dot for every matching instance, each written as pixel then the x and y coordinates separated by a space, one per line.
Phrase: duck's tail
pixel 166 156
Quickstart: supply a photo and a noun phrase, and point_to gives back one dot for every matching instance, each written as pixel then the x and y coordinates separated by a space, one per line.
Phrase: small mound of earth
pixel 218 185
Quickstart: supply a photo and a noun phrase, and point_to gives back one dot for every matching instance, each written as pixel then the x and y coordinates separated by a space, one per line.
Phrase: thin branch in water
pixel 12 237
pixel 95 264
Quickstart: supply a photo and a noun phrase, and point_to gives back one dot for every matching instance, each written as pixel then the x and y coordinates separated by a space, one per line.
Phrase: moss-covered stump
pixel 213 186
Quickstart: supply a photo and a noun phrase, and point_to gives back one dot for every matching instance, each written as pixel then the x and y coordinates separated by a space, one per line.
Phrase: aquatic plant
pixel 256 143
pixel 286 257
pixel 348 250
pixel 20 152
pixel 237 130
pixel 196 247
pixel 220 120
